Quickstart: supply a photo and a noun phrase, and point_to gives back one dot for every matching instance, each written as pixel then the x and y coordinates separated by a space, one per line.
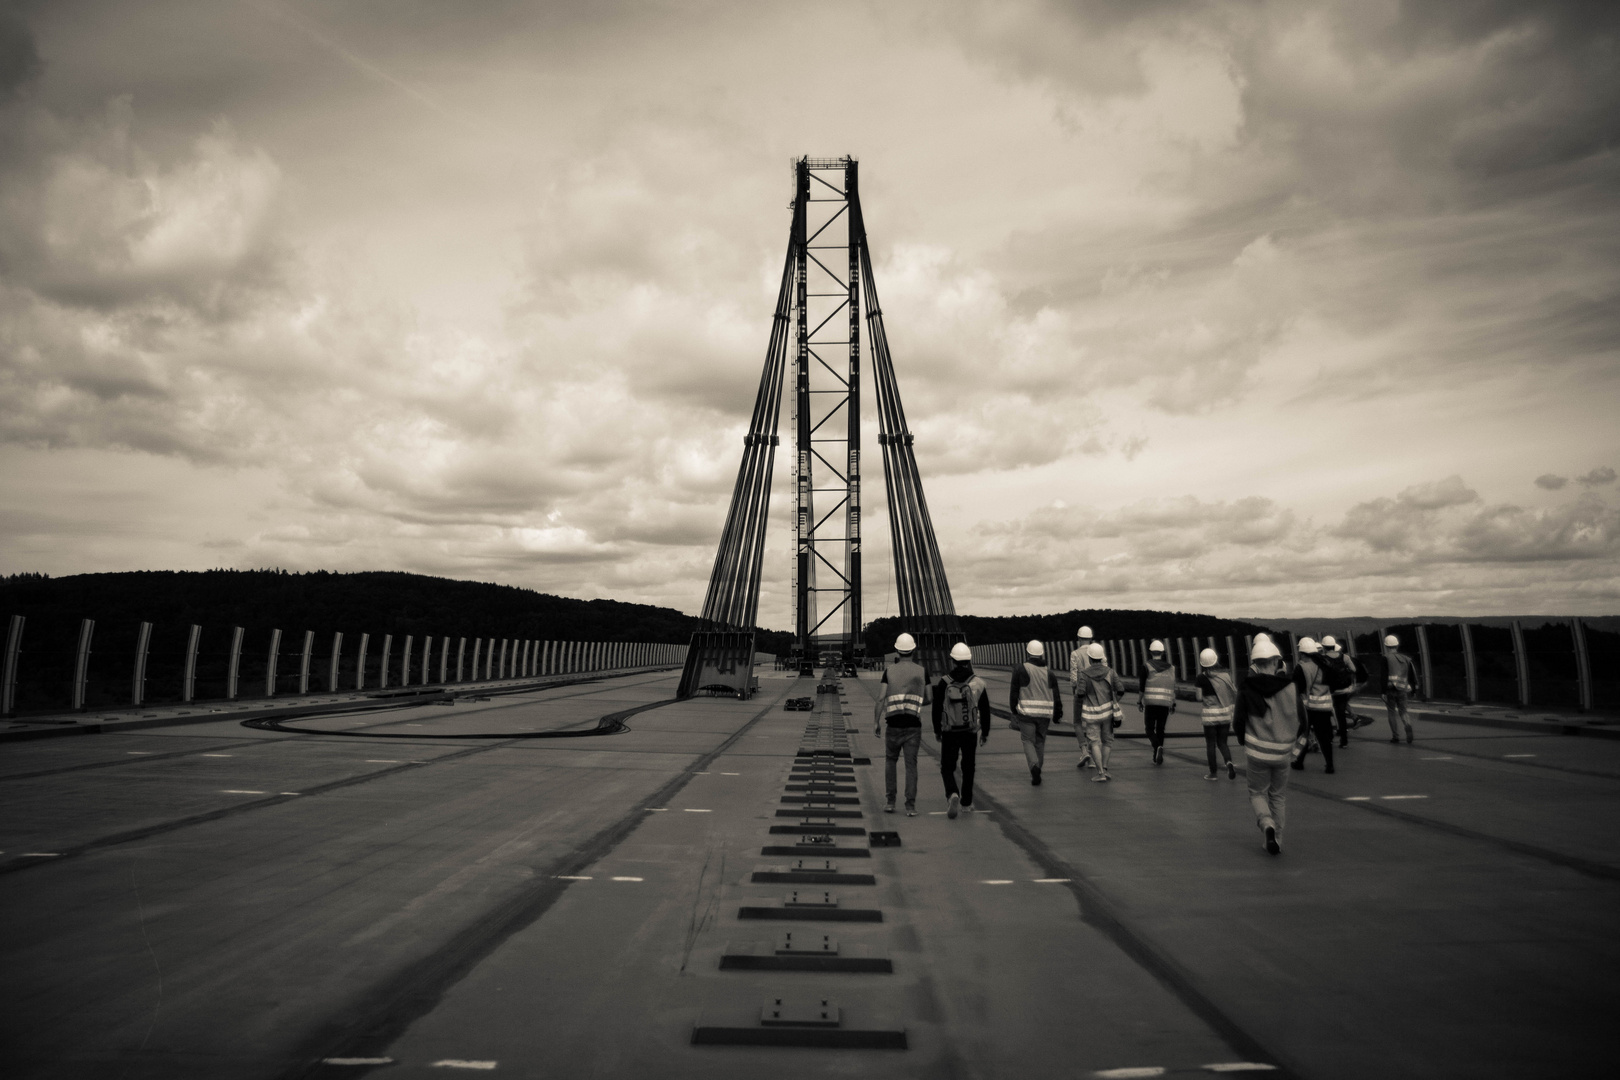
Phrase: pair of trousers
pixel 1321 725
pixel 1341 713
pixel 897 741
pixel 951 744
pixel 1395 705
pixel 1268 793
pixel 1155 717
pixel 1032 729
pixel 1215 736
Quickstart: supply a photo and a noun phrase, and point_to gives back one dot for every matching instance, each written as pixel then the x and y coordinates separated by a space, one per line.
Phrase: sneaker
pixel 1101 778
pixel 1158 755
pixel 953 806
pixel 1344 743
pixel 1231 771
pixel 888 807
pixel 1271 841
pixel 1395 741
pixel 1409 733
pixel 1085 762
pixel 1035 776
pixel 911 811
pixel 967 808
pixel 1211 776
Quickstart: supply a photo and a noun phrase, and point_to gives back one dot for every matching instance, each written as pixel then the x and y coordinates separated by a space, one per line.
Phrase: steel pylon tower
pixel 826 280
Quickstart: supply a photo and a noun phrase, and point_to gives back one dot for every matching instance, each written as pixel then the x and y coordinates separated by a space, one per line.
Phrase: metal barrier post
pixel 332 670
pixel 405 663
pixel 81 664
pixel 188 673
pixel 1522 663
pixel 1470 668
pixel 388 647
pixel 8 681
pixel 360 664
pixel 444 660
pixel 427 659
pixel 1427 674
pixel 233 665
pixel 1583 663
pixel 303 663
pixel 461 657
pixel 137 682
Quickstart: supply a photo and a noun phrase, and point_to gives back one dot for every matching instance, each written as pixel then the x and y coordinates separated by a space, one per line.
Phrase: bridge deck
pixel 562 907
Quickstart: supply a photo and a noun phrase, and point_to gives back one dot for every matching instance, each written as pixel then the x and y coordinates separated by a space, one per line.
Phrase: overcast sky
pixel 1245 308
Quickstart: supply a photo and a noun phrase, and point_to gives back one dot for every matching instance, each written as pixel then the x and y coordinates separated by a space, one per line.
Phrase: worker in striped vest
pixel 1400 680
pixel 1034 703
pixel 1097 690
pixel 1079 660
pixel 1318 700
pixel 1158 698
pixel 902 693
pixel 1219 696
pixel 1272 733
pixel 1347 677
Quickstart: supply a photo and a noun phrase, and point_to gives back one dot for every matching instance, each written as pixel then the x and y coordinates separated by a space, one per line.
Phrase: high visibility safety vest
pixel 1271 739
pixel 1094 693
pixel 906 683
pixel 1079 661
pixel 1035 700
pixel 1402 675
pixel 1318 695
pixel 1159 688
pixel 1219 709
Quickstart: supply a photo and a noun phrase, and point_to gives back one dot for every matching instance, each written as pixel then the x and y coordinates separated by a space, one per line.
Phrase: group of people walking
pixel 1278 712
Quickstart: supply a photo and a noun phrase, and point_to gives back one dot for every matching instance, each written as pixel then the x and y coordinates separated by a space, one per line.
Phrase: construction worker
pixel 1346 676
pixel 1219 697
pixel 1098 689
pixel 1272 733
pixel 961 724
pixel 1400 679
pixel 1313 683
pixel 1035 704
pixel 1079 660
pixel 1158 698
pixel 902 693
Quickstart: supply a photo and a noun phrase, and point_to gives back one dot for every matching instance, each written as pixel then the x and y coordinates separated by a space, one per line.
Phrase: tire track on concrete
pixel 370 1026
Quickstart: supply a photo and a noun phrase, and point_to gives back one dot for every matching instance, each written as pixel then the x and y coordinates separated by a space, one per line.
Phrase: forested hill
pixel 377 602
pixel 1106 624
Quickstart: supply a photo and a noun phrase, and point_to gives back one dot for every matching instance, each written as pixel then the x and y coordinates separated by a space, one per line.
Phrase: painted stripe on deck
pixel 691 810
pixel 997 881
pixel 459 1063
pixel 1518 755
pixel 627 879
pixel 357 1061
pixel 1358 798
pixel 1403 796
pixel 1051 880
pixel 1128 1073
pixel 239 791
pixel 573 877
pixel 1239 1066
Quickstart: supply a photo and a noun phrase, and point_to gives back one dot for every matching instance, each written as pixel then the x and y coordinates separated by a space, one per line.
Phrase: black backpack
pixel 1338 673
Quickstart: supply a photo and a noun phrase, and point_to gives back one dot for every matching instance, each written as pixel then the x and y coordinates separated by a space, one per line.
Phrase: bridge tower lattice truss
pixel 826 280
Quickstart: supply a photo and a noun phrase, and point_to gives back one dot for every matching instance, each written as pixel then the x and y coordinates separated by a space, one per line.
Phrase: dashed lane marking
pixel 239 791
pixel 39 854
pixel 731 774
pixel 382 761
pixel 216 755
pixel 657 809
pixel 1238 1066
pixel 1518 755
pixel 691 810
pixel 1358 798
pixel 1126 1074
pixel 459 1063
pixel 997 881
pixel 573 877
pixel 357 1061
pixel 138 752
pixel 289 793
pixel 1051 880
pixel 626 879
pixel 1394 797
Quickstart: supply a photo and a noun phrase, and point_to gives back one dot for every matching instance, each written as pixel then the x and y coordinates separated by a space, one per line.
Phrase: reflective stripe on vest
pixel 905 697
pixel 1264 750
pixel 1220 708
pixel 908 704
pixel 1160 688
pixel 1035 700
pixel 1317 694
pixel 1095 714
pixel 1397 672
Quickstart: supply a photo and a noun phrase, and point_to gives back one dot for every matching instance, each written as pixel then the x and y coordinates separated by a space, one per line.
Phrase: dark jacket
pixel 961 673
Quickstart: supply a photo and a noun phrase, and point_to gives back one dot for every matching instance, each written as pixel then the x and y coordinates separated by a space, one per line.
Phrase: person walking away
pixel 1158 698
pixel 1400 680
pixel 1219 694
pixel 961 725
pixel 1272 733
pixel 903 692
pixel 1345 677
pixel 1098 689
pixel 1079 660
pixel 1034 703
pixel 1311 677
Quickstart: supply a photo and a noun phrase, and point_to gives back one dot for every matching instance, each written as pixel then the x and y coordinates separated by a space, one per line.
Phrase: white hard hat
pixel 1208 658
pixel 1262 636
pixel 1264 649
pixel 1392 641
pixel 1035 648
pixel 1095 651
pixel 1084 634
pixel 1156 646
pixel 1308 644
pixel 905 643
pixel 1329 641
pixel 960 651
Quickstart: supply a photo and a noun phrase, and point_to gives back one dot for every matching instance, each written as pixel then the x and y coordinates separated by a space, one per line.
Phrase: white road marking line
pixel 357 1061
pixel 626 879
pixel 1443 757
pixel 700 774
pixel 656 809
pixel 1403 796
pixel 458 1063
pixel 1358 798
pixel 216 755
pixel 1518 755
pixel 731 774
pixel 38 854
pixel 239 791
pixel 382 761
pixel 1126 1074
pixel 1239 1066
pixel 137 751
pixel 1050 880
pixel 573 877
pixel 690 810
pixel 997 881
pixel 937 813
